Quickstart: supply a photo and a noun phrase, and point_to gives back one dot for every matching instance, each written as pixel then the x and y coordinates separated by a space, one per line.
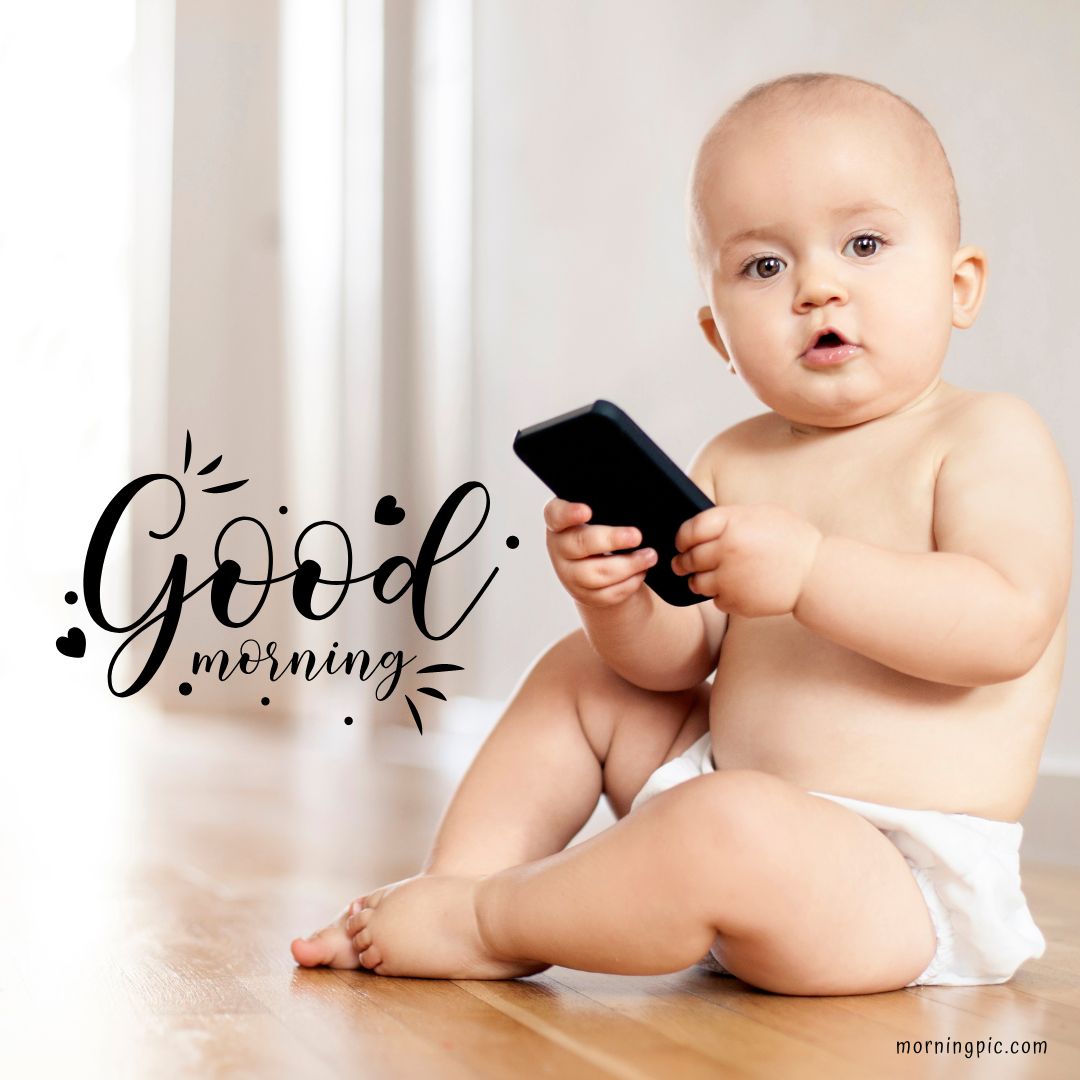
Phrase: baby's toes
pixel 358 928
pixel 357 920
pixel 371 958
pixel 330 947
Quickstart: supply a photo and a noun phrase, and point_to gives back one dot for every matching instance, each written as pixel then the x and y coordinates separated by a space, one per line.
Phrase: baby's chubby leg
pixel 573 730
pixel 801 896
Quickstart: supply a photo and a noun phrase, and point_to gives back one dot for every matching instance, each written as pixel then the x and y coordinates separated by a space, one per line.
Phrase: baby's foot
pixel 329 947
pixel 426 926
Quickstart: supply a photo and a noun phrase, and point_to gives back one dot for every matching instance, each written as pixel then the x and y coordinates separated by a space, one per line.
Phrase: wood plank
pixel 951 1014
pixel 731 1038
pixel 174 1046
pixel 469 1030
pixel 610 1038
pixel 345 1027
pixel 1011 1012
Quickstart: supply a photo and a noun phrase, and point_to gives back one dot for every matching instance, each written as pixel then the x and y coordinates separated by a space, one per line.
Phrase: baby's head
pixel 855 224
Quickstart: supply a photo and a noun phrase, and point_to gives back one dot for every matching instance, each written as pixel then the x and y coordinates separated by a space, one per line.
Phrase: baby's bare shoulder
pixel 998 442
pixel 977 413
pixel 716 451
pixel 744 435
pixel 988 430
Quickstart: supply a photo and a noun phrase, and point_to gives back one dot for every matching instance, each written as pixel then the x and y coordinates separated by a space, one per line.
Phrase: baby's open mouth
pixel 829 349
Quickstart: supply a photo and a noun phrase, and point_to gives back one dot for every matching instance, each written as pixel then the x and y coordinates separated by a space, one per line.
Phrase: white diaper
pixel 968 869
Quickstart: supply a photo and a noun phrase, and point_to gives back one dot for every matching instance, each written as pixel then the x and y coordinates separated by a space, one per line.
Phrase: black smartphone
pixel 597 455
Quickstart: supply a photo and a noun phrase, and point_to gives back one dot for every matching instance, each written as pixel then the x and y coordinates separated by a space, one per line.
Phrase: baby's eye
pixel 863 241
pixel 754 263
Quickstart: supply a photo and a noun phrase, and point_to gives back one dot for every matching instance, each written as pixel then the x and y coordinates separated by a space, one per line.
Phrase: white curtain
pixel 305 289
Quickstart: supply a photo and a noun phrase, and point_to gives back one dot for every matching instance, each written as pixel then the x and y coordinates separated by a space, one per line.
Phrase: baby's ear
pixel 969 284
pixel 712 335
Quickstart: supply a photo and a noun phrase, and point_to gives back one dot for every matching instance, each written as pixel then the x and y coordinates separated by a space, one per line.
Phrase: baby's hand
pixel 752 560
pixel 577 553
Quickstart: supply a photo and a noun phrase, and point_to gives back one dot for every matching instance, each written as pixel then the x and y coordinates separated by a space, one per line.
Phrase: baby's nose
pixel 818 285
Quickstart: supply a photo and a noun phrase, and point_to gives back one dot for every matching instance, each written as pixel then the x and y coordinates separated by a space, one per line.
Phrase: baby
pixel 886 572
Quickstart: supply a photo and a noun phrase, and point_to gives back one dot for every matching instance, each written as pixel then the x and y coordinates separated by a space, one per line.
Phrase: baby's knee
pixel 727 806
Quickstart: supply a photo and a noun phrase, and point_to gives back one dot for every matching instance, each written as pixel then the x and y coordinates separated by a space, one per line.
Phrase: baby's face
pixel 850 234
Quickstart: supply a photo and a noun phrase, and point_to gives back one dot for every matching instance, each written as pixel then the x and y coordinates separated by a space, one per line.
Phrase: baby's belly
pixel 788 702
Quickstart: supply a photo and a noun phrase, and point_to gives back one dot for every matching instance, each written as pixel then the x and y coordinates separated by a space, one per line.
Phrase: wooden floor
pixel 155 869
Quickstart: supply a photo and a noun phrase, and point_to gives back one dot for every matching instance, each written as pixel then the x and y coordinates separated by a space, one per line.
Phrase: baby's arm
pixel 983 607
pixel 652 644
pixel 655 645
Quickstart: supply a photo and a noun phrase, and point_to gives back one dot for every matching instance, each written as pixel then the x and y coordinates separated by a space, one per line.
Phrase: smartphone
pixel 597 455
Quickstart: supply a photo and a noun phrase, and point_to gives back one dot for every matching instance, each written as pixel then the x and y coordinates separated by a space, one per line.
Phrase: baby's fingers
pixel 705 584
pixel 603 571
pixel 701 557
pixel 612 595
pixel 586 541
pixel 708 525
pixel 560 514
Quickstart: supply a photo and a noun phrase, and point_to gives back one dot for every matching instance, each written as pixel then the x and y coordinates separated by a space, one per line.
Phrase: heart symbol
pixel 387 512
pixel 74 645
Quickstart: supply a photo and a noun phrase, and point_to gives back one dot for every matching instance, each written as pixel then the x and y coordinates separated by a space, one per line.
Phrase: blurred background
pixel 353 245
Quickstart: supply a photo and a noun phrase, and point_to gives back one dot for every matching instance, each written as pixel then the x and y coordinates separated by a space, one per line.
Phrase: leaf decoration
pixel 431 692
pixel 432 668
pixel 221 488
pixel 415 714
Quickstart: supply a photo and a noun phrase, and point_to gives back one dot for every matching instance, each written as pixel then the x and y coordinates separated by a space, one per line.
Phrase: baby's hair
pixel 812 94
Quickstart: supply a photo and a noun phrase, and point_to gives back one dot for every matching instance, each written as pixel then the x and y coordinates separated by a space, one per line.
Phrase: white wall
pixel 587 116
